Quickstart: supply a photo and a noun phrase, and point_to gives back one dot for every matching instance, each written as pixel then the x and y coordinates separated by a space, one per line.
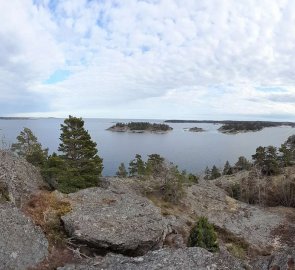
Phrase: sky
pixel 148 59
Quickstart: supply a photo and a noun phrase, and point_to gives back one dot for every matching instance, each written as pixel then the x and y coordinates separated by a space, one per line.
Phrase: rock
pixel 22 244
pixel 115 219
pixel 284 259
pixel 172 259
pixel 18 179
pixel 265 229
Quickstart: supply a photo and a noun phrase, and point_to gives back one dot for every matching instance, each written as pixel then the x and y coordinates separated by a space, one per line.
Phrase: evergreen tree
pixel 287 154
pixel 28 147
pixel 54 169
pixel 122 171
pixel 271 164
pixel 260 156
pixel 136 166
pixel 83 165
pixel 214 173
pixel 207 173
pixel 227 170
pixel 203 235
pixel 155 165
pixel 193 178
pixel 267 160
pixel 242 164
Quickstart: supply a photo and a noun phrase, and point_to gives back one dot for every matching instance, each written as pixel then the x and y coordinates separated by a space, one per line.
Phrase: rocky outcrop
pixel 284 259
pixel 172 259
pixel 18 179
pixel 265 229
pixel 22 244
pixel 115 219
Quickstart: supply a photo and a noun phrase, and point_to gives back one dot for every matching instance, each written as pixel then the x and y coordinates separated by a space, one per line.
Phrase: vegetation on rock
pixel 196 129
pixel 227 170
pixel 140 126
pixel 212 174
pixel 203 235
pixel 79 166
pixel 28 147
pixel 160 177
pixel 122 172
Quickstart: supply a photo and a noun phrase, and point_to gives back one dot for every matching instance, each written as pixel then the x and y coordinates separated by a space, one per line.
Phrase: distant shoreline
pixel 235 127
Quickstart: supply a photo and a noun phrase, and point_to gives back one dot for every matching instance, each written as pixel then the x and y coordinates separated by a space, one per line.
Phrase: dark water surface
pixel 191 151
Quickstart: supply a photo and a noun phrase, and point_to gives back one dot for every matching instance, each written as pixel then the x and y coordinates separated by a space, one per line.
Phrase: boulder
pixel 22 244
pixel 172 259
pixel 284 258
pixel 265 229
pixel 18 179
pixel 115 219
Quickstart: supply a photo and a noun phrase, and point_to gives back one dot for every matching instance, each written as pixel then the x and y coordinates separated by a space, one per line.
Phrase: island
pixel 140 127
pixel 234 127
pixel 194 129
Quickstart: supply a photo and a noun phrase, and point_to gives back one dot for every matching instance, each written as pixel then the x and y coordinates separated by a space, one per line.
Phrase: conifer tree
pixel 260 156
pixel 136 166
pixel 203 235
pixel 83 165
pixel 271 164
pixel 207 173
pixel 122 171
pixel 227 170
pixel 28 147
pixel 214 173
pixel 242 164
pixel 155 164
pixel 286 155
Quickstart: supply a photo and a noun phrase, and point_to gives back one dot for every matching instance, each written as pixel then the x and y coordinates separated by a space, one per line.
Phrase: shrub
pixel 122 171
pixel 193 178
pixel 203 235
pixel 235 191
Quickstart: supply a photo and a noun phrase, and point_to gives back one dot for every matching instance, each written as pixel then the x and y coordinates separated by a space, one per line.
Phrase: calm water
pixel 191 151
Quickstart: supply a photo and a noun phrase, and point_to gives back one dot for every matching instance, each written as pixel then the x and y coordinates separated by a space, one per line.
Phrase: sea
pixel 191 151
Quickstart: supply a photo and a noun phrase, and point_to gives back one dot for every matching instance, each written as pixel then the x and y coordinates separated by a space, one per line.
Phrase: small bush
pixel 203 235
pixel 235 191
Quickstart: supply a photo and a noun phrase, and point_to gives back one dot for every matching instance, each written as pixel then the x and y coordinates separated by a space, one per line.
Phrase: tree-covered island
pixel 194 129
pixel 233 127
pixel 140 127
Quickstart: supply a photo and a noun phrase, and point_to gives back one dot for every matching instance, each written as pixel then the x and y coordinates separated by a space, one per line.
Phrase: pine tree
pixel 83 165
pixel 260 156
pixel 154 165
pixel 207 173
pixel 286 155
pixel 214 173
pixel 227 170
pixel 203 235
pixel 122 171
pixel 136 166
pixel 29 148
pixel 271 164
pixel 242 164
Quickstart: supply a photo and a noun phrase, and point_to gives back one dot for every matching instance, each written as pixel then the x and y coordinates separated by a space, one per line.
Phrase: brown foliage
pixel 45 209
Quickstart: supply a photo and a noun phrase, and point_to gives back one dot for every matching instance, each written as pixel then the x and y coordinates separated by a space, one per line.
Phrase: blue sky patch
pixel 271 89
pixel 58 76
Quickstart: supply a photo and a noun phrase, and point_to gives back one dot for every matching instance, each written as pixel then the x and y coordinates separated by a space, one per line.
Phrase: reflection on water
pixel 192 151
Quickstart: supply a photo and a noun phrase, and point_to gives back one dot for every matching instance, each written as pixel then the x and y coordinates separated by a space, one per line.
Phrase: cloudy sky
pixel 187 59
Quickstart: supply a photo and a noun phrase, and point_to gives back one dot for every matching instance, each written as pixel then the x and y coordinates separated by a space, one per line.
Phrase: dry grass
pixel 238 247
pixel 45 209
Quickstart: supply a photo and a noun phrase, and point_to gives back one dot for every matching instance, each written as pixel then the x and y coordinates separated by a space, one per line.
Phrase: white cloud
pixel 162 59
